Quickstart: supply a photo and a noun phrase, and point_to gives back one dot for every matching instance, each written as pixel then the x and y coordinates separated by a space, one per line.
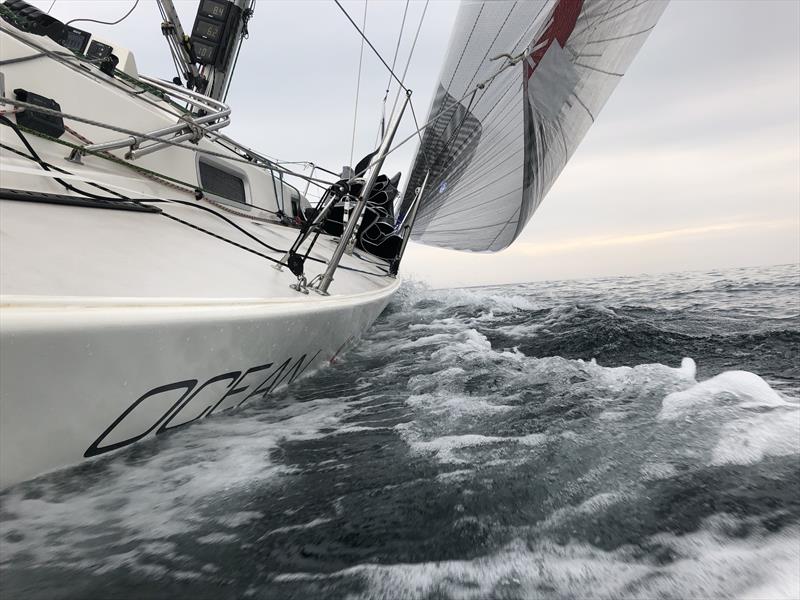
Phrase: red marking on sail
pixel 561 26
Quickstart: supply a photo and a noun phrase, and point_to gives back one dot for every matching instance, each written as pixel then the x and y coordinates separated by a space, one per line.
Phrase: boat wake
pixel 613 438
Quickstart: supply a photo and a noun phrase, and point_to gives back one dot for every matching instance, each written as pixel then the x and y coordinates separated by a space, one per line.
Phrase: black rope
pixel 19 59
pixel 120 20
pixel 47 167
pixel 65 172
pixel 228 221
pixel 219 237
pixel 34 156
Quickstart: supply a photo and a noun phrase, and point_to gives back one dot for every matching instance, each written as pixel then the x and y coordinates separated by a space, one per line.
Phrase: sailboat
pixel 155 272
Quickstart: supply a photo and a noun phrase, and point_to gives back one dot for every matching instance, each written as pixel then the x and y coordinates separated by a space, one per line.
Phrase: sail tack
pixel 502 129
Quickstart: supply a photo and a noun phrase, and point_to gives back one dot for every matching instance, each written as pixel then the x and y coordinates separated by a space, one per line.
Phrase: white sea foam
pixel 162 496
pixel 750 439
pixel 558 315
pixel 752 420
pixel 412 292
pixel 215 538
pixel 741 388
pixel 658 470
pixel 708 565
pixel 311 524
pixel 595 504
pixel 446 447
pixel 467 344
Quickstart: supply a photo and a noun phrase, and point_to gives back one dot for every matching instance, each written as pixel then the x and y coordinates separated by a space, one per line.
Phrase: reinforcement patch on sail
pixel 502 129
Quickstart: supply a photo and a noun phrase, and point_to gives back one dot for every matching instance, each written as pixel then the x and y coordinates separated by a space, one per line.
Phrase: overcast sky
pixel 693 164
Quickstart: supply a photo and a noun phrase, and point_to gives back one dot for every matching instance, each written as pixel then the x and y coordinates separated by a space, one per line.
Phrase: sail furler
pixel 501 131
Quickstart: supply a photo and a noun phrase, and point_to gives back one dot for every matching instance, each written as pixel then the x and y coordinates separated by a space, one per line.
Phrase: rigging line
pixel 242 230
pixel 222 140
pixel 19 59
pixel 170 43
pixel 397 48
pixel 608 17
pixel 222 238
pixel 577 64
pixel 419 129
pixel 121 198
pixel 193 148
pixel 443 110
pixel 364 37
pixel 46 166
pixel 358 81
pixel 52 4
pixel 52 167
pixel 489 49
pixel 534 21
pixel 485 91
pixel 307 164
pixel 118 83
pixel 120 20
pixel 619 37
pixel 410 54
pixel 389 82
pixel 228 221
pixel 246 16
pixel 594 21
pixel 396 52
pixel 504 105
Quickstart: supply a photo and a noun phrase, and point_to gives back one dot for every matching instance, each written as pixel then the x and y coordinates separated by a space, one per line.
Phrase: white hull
pixel 81 381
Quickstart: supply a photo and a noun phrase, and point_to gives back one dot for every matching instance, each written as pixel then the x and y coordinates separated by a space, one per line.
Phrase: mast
pixel 178 43
pixel 207 58
pixel 221 72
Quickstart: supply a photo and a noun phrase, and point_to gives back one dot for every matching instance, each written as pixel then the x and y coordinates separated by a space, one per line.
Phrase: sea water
pixel 632 437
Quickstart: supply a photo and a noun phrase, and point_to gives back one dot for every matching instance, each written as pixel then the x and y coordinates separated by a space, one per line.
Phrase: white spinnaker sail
pixel 494 151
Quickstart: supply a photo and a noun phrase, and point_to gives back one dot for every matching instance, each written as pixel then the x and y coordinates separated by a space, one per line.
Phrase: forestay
pixel 502 130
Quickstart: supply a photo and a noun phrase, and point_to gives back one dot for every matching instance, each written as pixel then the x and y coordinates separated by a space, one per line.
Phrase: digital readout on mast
pixel 213 31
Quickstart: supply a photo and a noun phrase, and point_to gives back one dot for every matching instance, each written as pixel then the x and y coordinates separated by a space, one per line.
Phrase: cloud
pixel 590 242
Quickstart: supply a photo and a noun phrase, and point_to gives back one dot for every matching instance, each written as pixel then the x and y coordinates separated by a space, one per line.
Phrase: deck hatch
pixel 222 183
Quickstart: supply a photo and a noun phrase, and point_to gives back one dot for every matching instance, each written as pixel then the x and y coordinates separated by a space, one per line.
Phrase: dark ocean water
pixel 633 437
